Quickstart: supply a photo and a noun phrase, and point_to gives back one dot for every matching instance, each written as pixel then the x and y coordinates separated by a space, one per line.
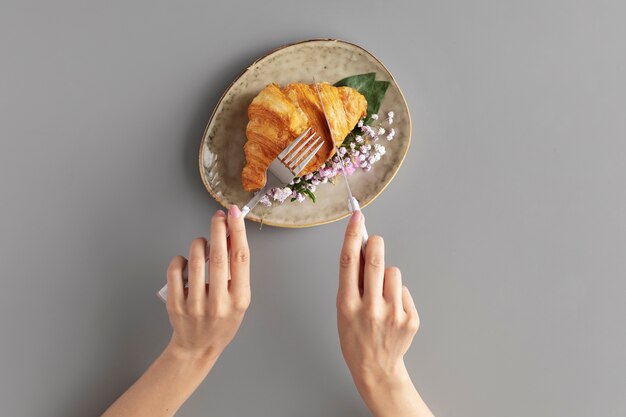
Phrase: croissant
pixel 277 116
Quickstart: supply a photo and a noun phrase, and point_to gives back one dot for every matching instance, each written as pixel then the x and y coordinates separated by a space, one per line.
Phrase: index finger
pixel 218 257
pixel 350 260
pixel 239 252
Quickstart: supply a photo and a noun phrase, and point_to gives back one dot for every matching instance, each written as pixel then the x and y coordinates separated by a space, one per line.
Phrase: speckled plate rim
pixel 268 54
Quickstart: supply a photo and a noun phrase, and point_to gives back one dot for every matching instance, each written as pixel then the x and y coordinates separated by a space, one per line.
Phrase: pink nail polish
pixel 234 211
pixel 220 213
pixel 356 216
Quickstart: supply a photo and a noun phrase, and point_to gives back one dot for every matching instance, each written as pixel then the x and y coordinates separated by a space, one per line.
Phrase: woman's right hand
pixel 377 320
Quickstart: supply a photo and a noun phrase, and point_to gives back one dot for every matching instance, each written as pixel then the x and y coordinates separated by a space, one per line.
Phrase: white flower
pixel 359 139
pixel 363 148
pixel 265 201
pixel 300 198
pixel 324 180
pixel 362 157
pixel 296 180
pixel 360 124
pixel 371 159
pixel 368 131
pixel 378 148
pixel 352 145
pixel 390 114
pixel 311 187
pixel 308 176
pixel 374 116
pixel 342 151
pixel 391 134
pixel 315 181
pixel 281 194
pixel 381 131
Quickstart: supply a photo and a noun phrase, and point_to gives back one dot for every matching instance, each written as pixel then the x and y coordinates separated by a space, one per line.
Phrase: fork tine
pixel 293 144
pixel 295 159
pixel 298 151
pixel 298 169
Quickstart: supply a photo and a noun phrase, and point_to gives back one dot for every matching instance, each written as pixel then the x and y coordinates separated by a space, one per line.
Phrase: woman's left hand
pixel 205 318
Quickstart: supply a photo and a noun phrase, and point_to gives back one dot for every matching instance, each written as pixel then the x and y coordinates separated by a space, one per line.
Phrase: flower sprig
pixel 359 150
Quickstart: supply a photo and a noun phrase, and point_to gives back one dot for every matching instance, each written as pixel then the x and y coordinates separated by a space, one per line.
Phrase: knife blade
pixel 353 204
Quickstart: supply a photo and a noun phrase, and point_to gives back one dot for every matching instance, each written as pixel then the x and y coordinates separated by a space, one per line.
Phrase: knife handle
pixel 354 206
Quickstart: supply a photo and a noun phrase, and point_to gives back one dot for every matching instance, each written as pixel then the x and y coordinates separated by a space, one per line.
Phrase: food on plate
pixel 277 116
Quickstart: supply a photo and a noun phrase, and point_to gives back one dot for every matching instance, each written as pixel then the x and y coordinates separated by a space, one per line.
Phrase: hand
pixel 205 318
pixel 377 320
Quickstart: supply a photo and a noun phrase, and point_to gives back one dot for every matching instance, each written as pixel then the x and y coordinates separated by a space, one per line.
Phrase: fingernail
pixel 220 213
pixel 356 216
pixel 234 211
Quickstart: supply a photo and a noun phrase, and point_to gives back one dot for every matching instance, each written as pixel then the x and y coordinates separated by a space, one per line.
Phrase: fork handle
pixel 353 204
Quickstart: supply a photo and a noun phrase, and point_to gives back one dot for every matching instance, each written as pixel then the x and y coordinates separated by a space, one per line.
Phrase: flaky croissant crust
pixel 277 116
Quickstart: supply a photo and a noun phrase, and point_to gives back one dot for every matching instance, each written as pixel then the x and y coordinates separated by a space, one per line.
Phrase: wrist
pixel 200 357
pixel 369 380
pixel 377 387
pixel 391 393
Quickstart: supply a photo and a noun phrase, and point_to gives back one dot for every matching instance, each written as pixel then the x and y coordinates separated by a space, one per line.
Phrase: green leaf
pixel 358 82
pixel 375 96
pixel 309 193
pixel 366 84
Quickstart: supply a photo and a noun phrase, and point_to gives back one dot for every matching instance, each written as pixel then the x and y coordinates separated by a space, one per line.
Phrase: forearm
pixel 165 386
pixel 393 396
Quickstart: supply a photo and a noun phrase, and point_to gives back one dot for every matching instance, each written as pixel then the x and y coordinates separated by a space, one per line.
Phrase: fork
pixel 287 165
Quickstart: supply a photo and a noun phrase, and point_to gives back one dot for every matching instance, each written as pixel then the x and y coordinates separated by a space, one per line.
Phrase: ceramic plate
pixel 221 152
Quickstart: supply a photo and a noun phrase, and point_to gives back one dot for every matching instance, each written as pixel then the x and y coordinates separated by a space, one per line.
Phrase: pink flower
pixel 350 169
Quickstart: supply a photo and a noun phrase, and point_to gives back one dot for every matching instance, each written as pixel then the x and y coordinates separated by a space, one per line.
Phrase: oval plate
pixel 221 152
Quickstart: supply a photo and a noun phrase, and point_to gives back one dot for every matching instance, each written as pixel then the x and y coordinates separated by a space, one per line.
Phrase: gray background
pixel 507 217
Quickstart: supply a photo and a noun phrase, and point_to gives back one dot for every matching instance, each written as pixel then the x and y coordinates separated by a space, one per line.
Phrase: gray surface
pixel 507 218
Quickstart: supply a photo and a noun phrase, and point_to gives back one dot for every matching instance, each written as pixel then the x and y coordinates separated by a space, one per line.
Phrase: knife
pixel 353 204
